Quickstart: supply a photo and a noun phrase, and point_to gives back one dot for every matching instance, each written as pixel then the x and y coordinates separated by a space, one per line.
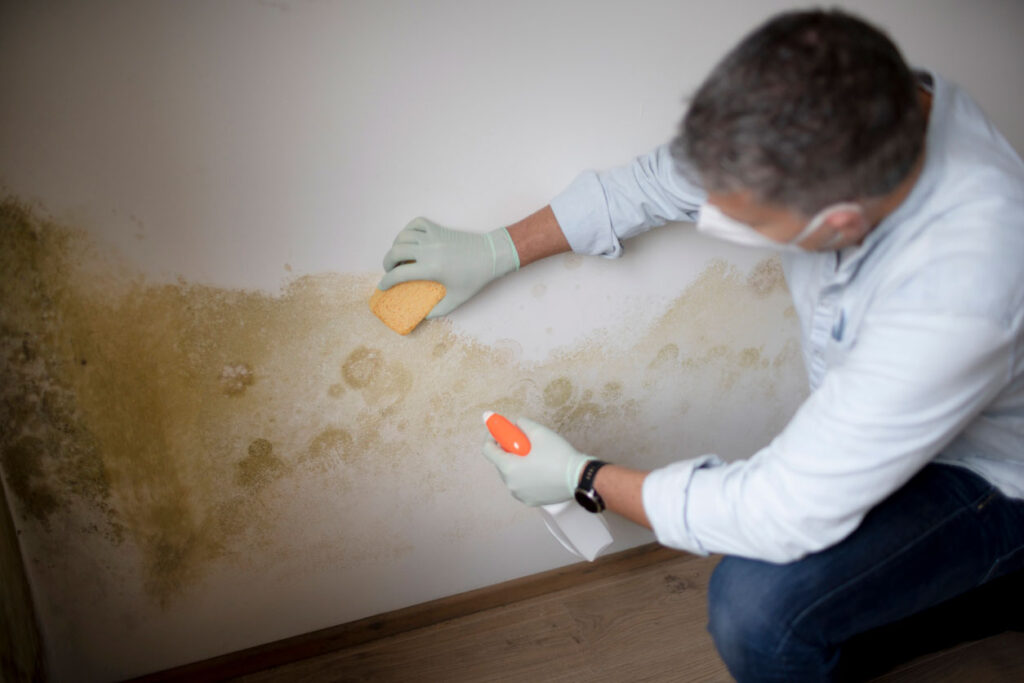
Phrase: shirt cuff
pixel 582 213
pixel 665 492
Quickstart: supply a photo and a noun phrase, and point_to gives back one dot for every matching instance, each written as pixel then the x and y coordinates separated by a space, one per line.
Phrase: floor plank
pixel 306 646
pixel 650 626
pixel 645 624
pixel 635 626
pixel 536 640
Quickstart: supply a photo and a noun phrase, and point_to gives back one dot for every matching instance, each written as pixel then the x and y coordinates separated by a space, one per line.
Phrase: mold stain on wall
pixel 180 423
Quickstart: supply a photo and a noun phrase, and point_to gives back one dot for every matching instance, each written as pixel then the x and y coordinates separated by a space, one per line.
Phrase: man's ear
pixel 850 223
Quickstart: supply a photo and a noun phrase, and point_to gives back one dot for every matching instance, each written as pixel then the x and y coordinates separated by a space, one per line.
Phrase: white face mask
pixel 713 222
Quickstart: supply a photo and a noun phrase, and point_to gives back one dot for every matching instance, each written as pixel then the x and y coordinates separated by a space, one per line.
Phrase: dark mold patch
pixel 262 466
pixel 23 461
pixel 48 456
pixel 120 399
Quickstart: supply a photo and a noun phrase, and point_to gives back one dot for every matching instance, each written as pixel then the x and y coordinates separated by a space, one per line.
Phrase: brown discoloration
pixel 192 424
pixel 612 391
pixel 557 392
pixel 46 453
pixel 751 358
pixel 124 397
pixel 766 277
pixel 330 449
pixel 667 354
pixel 236 378
pixel 262 466
pixel 361 367
pixel 23 462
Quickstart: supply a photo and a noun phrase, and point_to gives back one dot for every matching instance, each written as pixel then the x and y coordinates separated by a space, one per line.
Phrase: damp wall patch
pixel 163 442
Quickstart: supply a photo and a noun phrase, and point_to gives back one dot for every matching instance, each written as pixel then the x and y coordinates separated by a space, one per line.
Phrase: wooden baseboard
pixel 410 618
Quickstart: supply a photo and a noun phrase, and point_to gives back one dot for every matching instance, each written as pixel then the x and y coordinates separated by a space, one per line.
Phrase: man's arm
pixel 621 202
pixel 538 236
pixel 622 489
pixel 911 384
pixel 898 399
pixel 604 207
pixel 599 209
pixel 591 216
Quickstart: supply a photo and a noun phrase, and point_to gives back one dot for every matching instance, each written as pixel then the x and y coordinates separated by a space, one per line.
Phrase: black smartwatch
pixel 586 496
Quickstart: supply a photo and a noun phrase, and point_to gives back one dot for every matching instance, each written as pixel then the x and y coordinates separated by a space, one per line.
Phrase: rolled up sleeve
pixel 913 382
pixel 599 209
pixel 665 494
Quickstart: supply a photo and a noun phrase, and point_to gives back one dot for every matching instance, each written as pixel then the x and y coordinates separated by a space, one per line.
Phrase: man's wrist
pixel 621 489
pixel 538 236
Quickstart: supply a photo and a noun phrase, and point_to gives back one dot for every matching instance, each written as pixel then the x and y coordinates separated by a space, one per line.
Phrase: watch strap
pixel 588 474
pixel 586 495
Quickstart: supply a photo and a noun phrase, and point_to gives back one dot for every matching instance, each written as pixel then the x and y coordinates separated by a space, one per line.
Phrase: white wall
pixel 231 148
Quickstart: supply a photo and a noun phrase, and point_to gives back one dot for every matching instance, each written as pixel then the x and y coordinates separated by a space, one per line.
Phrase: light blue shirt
pixel 912 341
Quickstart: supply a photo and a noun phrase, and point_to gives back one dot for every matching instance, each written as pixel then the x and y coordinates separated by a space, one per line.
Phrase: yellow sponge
pixel 404 305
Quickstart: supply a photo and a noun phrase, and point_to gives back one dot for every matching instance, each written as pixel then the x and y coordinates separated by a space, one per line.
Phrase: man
pixel 899 210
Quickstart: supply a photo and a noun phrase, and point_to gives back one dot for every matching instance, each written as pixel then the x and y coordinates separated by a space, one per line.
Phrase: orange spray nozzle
pixel 508 436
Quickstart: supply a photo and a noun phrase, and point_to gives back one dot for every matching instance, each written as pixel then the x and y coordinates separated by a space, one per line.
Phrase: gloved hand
pixel 461 261
pixel 548 474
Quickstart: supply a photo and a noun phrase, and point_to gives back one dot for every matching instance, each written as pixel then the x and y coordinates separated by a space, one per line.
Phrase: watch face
pixel 587 500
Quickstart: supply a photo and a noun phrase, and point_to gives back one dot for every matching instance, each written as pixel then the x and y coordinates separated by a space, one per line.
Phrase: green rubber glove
pixel 461 261
pixel 548 474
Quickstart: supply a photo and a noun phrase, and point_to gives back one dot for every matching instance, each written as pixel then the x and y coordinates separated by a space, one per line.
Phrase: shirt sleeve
pixel 911 384
pixel 600 209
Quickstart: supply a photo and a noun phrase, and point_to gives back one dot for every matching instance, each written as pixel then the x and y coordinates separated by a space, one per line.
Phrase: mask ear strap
pixel 820 217
pixel 738 232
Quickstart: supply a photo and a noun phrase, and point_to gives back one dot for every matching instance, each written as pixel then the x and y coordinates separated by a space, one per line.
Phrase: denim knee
pixel 737 625
pixel 749 618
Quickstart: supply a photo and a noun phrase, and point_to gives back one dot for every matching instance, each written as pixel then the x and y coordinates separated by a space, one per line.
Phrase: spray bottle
pixel 582 533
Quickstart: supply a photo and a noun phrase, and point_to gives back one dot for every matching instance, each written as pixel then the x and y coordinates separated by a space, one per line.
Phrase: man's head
pixel 810 110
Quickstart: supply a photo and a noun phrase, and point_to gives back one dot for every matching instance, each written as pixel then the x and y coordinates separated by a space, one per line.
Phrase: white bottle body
pixel 582 533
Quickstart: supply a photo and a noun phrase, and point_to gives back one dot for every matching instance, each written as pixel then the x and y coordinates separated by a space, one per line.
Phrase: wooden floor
pixel 647 624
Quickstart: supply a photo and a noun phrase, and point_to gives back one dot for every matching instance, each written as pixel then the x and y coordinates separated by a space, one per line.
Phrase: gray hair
pixel 811 108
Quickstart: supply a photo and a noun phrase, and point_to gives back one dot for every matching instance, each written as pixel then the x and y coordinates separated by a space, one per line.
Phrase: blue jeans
pixel 856 607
